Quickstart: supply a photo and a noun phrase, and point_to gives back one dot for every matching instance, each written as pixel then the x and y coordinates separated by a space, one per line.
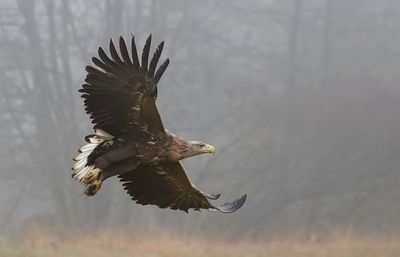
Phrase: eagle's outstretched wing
pixel 120 93
pixel 167 186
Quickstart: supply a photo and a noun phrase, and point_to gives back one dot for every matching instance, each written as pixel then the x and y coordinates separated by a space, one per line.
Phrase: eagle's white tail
pixel 82 172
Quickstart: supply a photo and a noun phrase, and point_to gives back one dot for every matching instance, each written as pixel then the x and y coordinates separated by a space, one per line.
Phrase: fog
pixel 300 98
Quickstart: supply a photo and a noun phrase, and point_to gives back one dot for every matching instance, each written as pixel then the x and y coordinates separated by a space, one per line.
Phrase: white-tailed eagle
pixel 130 140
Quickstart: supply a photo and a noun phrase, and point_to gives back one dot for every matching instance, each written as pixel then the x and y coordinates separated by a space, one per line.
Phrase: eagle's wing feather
pixel 167 186
pixel 120 93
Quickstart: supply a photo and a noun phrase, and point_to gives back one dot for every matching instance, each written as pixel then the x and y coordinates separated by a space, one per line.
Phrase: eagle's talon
pixel 93 188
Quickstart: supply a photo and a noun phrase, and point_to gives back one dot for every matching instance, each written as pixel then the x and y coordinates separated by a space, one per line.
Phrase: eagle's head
pixel 198 147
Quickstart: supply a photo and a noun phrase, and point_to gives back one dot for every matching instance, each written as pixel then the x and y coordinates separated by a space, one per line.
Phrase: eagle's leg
pixel 93 182
pixel 96 178
pixel 116 162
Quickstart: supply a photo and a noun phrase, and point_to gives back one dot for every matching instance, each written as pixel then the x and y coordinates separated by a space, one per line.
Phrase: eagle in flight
pixel 130 140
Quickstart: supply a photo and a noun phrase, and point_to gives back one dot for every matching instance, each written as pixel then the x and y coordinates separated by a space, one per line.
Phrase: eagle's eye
pixel 202 145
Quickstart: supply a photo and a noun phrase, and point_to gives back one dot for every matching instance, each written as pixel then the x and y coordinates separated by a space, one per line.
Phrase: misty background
pixel 300 98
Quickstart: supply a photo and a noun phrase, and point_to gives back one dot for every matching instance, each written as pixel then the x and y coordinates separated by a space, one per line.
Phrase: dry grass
pixel 117 244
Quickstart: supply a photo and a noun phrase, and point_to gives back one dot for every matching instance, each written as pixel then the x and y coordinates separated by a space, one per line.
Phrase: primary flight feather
pixel 130 140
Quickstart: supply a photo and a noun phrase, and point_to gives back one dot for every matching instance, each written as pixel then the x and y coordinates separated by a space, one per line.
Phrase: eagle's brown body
pixel 130 141
pixel 130 151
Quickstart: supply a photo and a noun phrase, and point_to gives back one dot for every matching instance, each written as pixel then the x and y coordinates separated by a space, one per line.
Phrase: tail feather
pixel 82 172
pixel 80 156
pixel 79 165
pixel 87 147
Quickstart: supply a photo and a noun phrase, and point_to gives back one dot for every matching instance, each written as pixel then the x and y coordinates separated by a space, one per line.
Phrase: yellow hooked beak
pixel 208 149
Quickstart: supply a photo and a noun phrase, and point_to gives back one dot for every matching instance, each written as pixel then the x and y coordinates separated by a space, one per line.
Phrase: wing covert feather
pixel 167 186
pixel 120 93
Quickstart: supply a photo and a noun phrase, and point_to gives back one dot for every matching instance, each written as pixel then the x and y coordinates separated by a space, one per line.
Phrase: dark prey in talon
pixel 130 140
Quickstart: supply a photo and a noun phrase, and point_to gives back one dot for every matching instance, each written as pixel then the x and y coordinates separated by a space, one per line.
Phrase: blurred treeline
pixel 301 99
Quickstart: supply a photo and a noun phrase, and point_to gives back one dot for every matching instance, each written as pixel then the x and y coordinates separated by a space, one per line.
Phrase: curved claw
pixel 232 206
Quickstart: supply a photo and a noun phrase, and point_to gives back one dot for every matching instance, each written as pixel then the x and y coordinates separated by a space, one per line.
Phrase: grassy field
pixel 119 244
